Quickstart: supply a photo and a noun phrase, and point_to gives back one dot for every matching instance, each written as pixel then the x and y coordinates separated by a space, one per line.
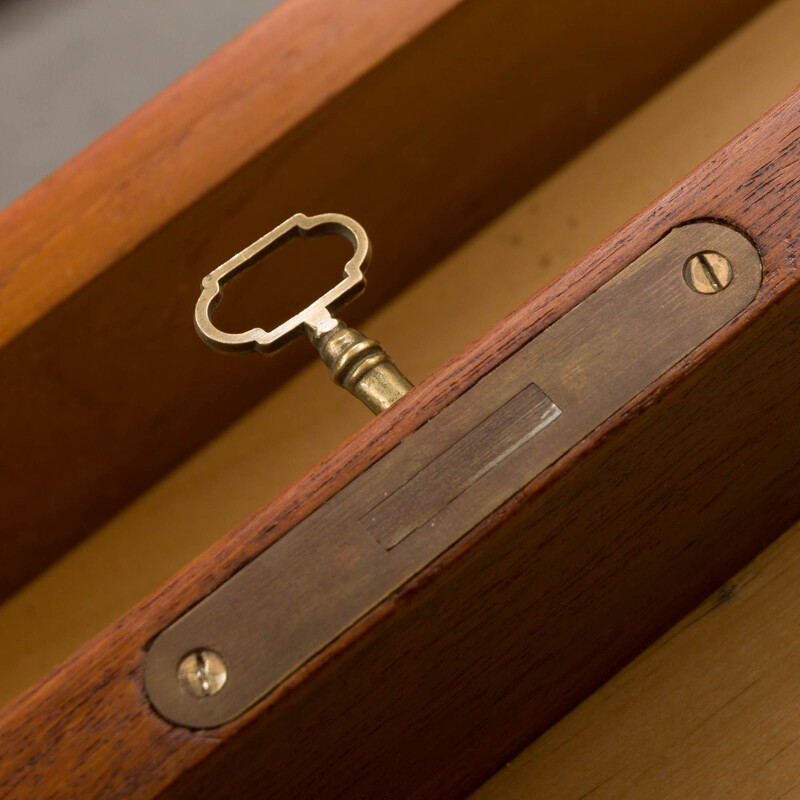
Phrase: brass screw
pixel 202 673
pixel 708 272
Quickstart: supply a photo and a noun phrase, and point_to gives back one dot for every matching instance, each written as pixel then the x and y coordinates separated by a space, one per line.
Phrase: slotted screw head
pixel 202 673
pixel 708 272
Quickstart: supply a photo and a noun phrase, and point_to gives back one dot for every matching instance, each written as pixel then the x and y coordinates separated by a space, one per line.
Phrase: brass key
pixel 356 363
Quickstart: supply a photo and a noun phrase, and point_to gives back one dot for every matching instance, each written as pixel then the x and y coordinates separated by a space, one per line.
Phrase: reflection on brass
pixel 421 494
pixel 708 272
pixel 361 366
pixel 395 518
pixel 202 673
pixel 357 363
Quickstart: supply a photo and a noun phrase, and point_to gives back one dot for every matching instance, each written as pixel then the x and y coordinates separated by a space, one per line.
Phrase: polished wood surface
pixel 436 687
pixel 359 106
pixel 711 710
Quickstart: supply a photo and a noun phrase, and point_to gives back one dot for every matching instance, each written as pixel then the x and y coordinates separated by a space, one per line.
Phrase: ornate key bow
pixel 356 363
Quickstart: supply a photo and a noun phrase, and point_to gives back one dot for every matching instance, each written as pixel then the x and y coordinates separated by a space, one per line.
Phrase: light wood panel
pixel 305 419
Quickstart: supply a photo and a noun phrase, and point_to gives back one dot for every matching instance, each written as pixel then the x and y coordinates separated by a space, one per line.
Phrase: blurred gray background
pixel 70 69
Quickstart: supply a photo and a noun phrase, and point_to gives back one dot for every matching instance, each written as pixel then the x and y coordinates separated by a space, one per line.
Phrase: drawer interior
pixel 445 113
pixel 422 326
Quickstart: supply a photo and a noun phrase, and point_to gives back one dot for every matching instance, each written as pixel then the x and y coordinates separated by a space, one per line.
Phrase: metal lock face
pixel 409 507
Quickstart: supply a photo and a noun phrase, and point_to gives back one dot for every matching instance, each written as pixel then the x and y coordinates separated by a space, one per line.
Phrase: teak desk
pixel 417 701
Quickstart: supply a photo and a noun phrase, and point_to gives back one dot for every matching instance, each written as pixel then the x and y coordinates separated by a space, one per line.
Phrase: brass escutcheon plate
pixel 404 511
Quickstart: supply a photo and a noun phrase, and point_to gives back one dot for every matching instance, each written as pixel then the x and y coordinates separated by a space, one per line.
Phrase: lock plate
pixel 403 512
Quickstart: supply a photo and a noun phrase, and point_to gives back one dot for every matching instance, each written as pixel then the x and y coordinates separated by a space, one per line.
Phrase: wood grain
pixel 360 107
pixel 530 612
pixel 709 710
pixel 299 424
